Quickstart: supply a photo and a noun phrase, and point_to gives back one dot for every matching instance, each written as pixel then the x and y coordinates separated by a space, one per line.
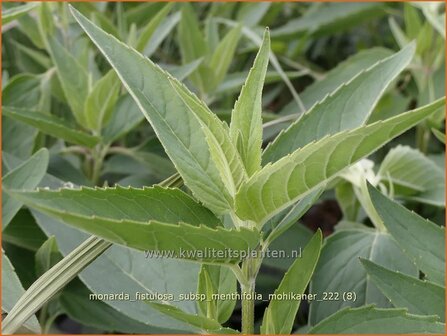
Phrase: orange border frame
pixel 1 73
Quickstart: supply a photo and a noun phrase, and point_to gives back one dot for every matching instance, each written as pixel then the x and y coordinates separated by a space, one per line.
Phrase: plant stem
pixel 98 158
pixel 250 268
pixel 248 308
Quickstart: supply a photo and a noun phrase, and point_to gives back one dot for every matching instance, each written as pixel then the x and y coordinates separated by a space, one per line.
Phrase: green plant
pixel 226 193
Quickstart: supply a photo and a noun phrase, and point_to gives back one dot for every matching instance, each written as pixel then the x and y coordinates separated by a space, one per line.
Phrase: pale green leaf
pixel 148 274
pixel 339 270
pixel 233 82
pixel 413 22
pixel 26 176
pixel 125 117
pixel 193 45
pixel 54 280
pixel 257 40
pixel 21 91
pixel 398 34
pixel 370 320
pixel 12 290
pixel 421 239
pixel 246 121
pixel 37 56
pixel 282 183
pixel 75 302
pixel 73 78
pixel 222 56
pixel 418 296
pixel 101 101
pixel 347 200
pixel 206 325
pixel 280 314
pixel 122 215
pixel 346 108
pixel 151 27
pixel 162 32
pixel 222 150
pixel 251 13
pixel 286 218
pixel 182 71
pixel 28 26
pixel 410 172
pixel 439 135
pixel 47 256
pixel 330 17
pixel 16 12
pixel 218 280
pixel 344 72
pixel 51 125
pixel 181 131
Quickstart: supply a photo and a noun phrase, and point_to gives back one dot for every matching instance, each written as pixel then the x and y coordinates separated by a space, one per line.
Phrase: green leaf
pixel 222 150
pixel 16 12
pixel 284 182
pixel 26 176
pixel 251 13
pixel 12 290
pixel 347 200
pixel 344 72
pixel 73 78
pixel 151 27
pixel 125 117
pixel 233 82
pixel 28 26
pixel 371 320
pixel 162 32
pixel 348 107
pixel 147 275
pixel 23 232
pixel 121 215
pixel 182 71
pixel 418 296
pixel 328 18
pixel 289 216
pixel 37 56
pixel 206 325
pixel 340 271
pixel 420 239
pixel 280 314
pixel 53 280
pixel 439 135
pixel 186 134
pixel 50 125
pixel 22 91
pixel 193 45
pixel 216 280
pixel 47 256
pixel 413 22
pixel 101 101
pixel 246 121
pixel 222 56
pixel 410 172
pixel 76 304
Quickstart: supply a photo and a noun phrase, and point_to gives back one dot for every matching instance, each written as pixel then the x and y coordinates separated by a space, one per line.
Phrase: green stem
pixel 248 308
pixel 250 269
pixel 365 200
pixel 98 158
pixel 422 137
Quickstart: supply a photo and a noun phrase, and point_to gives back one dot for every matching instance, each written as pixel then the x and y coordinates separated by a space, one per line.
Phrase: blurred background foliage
pixel 59 93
